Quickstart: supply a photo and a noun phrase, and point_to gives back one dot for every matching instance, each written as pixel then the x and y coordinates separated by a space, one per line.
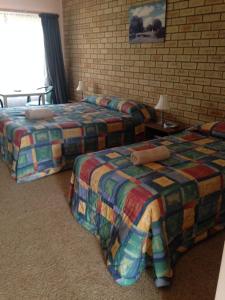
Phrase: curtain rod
pixel 25 11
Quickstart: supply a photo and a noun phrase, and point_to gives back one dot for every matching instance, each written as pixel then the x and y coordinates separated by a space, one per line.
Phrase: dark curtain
pixel 54 57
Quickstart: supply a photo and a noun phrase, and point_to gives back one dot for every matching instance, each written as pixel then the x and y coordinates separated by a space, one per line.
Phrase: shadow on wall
pixel 96 89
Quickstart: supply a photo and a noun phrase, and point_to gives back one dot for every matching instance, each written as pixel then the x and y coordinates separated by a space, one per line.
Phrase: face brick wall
pixel 189 66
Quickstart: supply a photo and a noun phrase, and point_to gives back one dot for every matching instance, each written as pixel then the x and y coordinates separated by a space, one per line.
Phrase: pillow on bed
pixel 139 111
pixel 98 100
pixel 216 129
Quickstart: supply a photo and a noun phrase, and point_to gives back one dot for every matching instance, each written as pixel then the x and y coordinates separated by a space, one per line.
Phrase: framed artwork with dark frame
pixel 147 22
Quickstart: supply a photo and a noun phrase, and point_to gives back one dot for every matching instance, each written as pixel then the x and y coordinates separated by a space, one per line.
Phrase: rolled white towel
pixel 39 114
pixel 145 156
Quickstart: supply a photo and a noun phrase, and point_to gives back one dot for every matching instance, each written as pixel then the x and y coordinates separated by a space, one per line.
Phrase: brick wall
pixel 189 66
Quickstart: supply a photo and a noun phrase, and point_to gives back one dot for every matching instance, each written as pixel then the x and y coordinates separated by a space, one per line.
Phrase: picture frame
pixel 147 22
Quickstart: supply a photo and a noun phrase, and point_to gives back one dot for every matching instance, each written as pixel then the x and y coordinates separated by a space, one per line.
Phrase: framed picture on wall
pixel 147 22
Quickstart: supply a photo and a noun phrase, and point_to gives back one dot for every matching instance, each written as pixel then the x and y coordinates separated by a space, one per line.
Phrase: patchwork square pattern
pixel 76 129
pixel 216 129
pixel 154 212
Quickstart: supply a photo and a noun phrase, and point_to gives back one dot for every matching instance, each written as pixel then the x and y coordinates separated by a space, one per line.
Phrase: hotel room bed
pixel 36 148
pixel 148 215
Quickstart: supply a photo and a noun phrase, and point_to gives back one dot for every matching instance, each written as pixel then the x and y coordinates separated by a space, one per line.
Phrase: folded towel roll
pixel 150 155
pixel 38 114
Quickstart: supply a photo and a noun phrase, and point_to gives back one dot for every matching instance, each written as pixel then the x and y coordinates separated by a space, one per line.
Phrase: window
pixel 22 58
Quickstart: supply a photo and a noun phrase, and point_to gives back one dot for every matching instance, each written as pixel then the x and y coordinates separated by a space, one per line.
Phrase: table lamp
pixel 80 88
pixel 162 105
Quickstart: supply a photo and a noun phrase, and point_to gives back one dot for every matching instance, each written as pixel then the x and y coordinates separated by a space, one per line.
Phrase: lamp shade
pixel 162 103
pixel 80 86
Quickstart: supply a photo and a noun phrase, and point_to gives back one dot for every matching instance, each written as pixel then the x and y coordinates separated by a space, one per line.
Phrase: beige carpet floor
pixel 45 254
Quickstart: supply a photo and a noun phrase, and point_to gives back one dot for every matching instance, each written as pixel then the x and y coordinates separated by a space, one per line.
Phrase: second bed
pixel 148 215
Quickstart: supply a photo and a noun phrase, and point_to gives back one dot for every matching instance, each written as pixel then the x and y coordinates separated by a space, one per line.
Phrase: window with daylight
pixel 22 57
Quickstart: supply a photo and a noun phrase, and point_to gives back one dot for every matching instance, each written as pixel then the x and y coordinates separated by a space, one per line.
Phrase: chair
pixel 48 94
pixel 1 103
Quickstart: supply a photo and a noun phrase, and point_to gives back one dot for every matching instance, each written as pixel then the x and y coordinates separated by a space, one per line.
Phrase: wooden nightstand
pixel 153 130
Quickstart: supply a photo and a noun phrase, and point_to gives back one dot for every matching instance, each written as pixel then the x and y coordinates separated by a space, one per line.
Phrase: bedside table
pixel 153 130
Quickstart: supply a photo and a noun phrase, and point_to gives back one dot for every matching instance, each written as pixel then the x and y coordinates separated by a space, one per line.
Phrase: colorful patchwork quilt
pixel 216 129
pixel 36 148
pixel 149 215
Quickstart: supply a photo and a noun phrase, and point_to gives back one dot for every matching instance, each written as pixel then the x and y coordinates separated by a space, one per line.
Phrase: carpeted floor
pixel 45 254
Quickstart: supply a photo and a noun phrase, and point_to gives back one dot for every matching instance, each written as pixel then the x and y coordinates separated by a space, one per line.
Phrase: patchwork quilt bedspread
pixel 149 215
pixel 36 148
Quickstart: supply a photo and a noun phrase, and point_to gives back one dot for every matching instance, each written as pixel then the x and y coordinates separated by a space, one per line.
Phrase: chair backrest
pixel 49 94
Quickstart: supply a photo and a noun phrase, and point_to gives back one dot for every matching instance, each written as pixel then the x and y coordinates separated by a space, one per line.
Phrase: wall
pixel 189 66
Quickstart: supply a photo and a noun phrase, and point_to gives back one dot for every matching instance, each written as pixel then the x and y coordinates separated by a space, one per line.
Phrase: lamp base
pixel 161 122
